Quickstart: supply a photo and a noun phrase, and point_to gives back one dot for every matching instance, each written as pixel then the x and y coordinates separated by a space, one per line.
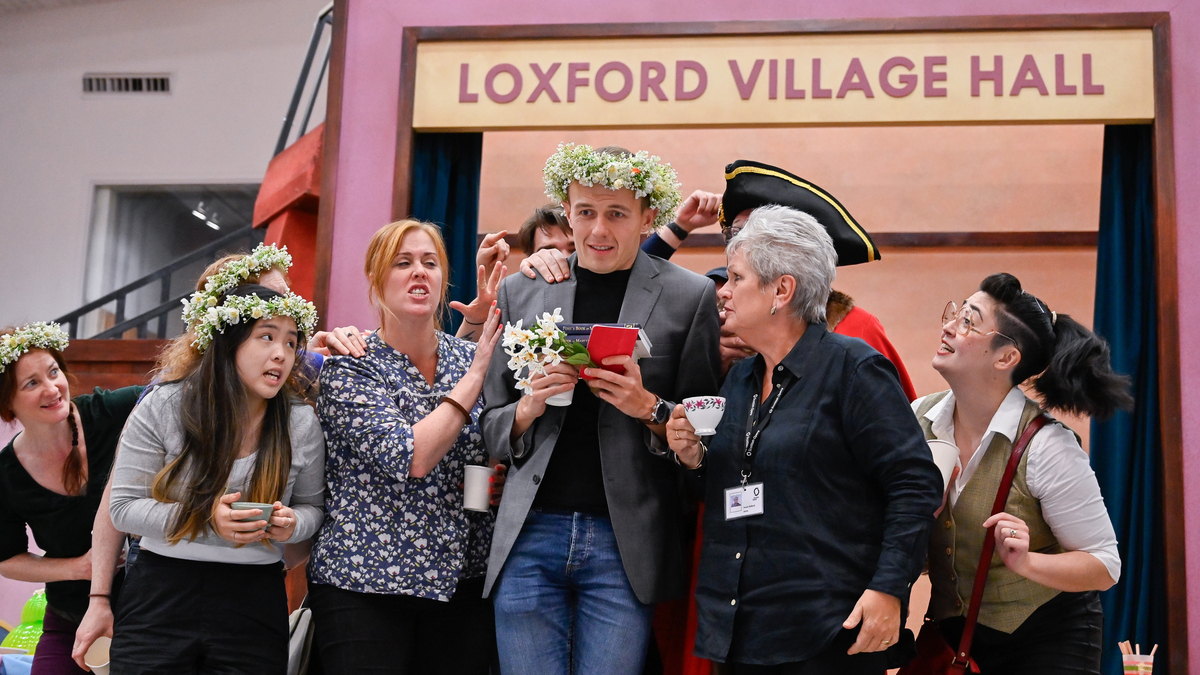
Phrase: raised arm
pixel 360 414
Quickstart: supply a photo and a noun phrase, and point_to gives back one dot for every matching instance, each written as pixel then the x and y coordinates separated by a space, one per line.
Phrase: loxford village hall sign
pixel 889 78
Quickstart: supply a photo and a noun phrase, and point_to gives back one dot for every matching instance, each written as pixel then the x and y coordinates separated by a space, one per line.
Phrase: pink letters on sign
pixel 489 83
pixel 789 77
pixel 996 75
pixel 855 80
pixel 573 79
pixel 908 81
pixel 464 96
pixel 620 94
pixel 1061 88
pixel 1029 77
pixel 1090 89
pixel 773 80
pixel 682 94
pixel 932 76
pixel 818 92
pixel 745 86
pixel 653 82
pixel 544 83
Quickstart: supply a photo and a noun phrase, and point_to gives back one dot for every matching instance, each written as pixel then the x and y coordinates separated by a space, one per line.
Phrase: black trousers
pixel 833 660
pixel 1063 636
pixel 179 617
pixel 362 633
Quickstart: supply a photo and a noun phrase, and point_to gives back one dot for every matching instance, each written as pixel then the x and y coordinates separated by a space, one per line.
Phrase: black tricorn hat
pixel 749 185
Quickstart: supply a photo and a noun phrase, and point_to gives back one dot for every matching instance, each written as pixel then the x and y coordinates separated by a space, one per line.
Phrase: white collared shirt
pixel 1058 473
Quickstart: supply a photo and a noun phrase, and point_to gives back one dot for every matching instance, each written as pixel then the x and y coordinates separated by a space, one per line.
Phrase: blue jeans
pixel 563 604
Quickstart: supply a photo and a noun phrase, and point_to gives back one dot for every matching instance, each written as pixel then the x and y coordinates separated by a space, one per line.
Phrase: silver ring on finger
pixel 1012 533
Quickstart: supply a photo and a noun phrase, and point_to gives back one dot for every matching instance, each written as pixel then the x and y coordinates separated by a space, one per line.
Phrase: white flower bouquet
pixel 530 350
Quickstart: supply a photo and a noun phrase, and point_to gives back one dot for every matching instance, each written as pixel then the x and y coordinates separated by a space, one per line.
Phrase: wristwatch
pixel 660 413
pixel 677 230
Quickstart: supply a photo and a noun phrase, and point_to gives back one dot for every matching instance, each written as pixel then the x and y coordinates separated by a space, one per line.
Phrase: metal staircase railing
pixel 324 18
pixel 246 237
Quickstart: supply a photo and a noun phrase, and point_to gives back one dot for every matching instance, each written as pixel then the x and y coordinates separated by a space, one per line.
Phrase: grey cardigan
pixel 154 436
pixel 678 311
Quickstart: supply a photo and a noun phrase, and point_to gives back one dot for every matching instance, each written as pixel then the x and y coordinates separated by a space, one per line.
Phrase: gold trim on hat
pixel 871 253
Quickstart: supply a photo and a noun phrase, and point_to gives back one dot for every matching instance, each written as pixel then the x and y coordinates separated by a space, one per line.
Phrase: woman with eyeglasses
pixel 1055 545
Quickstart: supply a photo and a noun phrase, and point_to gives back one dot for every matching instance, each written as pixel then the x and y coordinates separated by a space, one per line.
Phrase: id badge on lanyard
pixel 746 499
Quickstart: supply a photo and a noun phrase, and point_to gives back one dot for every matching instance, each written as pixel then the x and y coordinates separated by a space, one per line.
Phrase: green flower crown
pixel 37 335
pixel 251 308
pixel 642 173
pixel 230 276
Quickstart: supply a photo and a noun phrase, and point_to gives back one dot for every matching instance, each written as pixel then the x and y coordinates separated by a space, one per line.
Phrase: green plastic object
pixel 26 635
pixel 35 608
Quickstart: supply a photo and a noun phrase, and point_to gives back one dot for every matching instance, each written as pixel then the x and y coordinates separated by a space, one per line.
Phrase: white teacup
pixel 97 655
pixel 705 413
pixel 945 455
pixel 476 495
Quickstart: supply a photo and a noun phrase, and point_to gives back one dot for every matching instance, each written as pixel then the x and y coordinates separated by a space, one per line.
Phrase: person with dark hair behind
pixel 51 477
pixel 546 228
pixel 1055 545
pixel 207 592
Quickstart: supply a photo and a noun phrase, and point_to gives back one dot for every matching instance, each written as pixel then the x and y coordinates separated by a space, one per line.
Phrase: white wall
pixel 233 66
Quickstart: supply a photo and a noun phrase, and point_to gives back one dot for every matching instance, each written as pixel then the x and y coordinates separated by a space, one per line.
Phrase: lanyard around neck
pixel 755 426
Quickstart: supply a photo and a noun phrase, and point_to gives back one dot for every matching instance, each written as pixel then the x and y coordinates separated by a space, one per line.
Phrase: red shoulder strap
pixel 962 658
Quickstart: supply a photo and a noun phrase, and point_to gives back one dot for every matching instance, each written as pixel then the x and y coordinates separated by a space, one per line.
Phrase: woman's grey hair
pixel 777 241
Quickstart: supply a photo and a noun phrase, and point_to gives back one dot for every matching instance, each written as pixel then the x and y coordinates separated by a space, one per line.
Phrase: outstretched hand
pixel 493 250
pixel 699 209
pixel 476 313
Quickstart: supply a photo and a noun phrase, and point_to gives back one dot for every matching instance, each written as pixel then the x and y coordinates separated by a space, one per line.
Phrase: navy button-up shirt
pixel 850 489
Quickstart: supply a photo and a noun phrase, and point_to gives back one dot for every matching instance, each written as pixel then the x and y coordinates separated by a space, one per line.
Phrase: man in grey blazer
pixel 587 538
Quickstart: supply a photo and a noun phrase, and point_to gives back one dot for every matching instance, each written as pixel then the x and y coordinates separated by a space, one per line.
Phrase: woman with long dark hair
pixel 51 478
pixel 207 592
pixel 1055 545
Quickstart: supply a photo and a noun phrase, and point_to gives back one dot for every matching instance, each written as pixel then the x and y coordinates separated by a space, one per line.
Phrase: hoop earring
pixel 772 310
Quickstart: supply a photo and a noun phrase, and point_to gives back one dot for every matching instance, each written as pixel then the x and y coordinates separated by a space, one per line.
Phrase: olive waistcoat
pixel 956 542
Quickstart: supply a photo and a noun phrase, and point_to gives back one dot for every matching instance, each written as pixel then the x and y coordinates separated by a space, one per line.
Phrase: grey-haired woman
pixel 820 490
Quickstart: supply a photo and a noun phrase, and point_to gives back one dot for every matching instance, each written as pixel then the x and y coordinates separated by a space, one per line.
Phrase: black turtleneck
pixel 573 480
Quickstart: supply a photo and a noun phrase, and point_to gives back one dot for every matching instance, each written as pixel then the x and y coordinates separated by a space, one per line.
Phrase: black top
pixel 573 480
pixel 850 488
pixel 62 525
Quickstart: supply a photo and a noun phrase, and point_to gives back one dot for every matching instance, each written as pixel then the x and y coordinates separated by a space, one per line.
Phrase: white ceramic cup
pixel 705 413
pixel 945 455
pixel 476 496
pixel 96 657
pixel 561 400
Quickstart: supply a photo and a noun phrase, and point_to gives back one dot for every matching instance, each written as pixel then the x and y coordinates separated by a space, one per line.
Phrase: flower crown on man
pixel 648 177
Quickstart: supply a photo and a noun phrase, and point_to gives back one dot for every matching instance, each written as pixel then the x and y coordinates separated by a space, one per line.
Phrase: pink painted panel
pixel 370 107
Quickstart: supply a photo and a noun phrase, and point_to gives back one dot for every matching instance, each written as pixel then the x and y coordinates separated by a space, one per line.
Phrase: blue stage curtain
pixel 1126 450
pixel 445 183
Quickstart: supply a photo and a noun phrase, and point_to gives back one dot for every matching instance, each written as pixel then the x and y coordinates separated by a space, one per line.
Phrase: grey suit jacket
pixel 678 311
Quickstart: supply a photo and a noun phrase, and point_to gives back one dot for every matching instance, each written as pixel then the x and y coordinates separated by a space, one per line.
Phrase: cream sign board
pixel 892 78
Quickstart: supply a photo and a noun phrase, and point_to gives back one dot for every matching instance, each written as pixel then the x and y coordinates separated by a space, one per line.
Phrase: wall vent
pixel 117 83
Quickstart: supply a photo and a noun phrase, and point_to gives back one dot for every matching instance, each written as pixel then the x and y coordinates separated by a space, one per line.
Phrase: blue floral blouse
pixel 386 531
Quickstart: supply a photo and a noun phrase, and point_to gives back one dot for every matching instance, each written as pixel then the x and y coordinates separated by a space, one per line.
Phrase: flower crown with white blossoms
pixel 251 308
pixel 230 276
pixel 36 335
pixel 640 172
